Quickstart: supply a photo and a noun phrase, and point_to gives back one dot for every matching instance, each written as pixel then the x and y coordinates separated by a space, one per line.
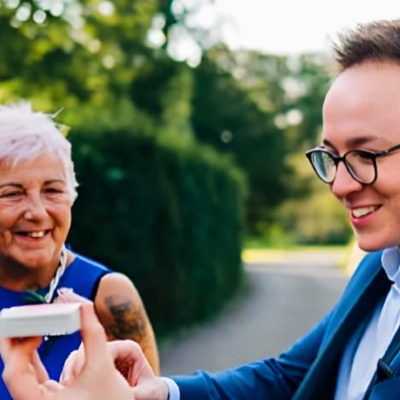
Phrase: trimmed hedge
pixel 168 216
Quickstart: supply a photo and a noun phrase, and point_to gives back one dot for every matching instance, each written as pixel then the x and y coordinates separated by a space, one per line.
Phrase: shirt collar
pixel 391 264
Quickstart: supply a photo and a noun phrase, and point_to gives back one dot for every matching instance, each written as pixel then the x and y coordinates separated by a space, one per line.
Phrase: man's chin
pixel 372 243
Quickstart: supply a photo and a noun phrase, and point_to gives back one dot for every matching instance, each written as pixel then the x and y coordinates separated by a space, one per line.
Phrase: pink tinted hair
pixel 26 134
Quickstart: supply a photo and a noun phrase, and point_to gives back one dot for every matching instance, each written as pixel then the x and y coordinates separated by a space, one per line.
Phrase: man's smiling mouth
pixel 363 211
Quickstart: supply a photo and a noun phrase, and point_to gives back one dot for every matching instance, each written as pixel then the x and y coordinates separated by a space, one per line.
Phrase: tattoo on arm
pixel 128 320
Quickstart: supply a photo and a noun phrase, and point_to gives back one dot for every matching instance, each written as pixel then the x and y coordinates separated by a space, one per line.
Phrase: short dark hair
pixel 373 41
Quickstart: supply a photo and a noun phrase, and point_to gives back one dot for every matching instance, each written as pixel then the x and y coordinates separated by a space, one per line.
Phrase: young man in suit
pixel 353 353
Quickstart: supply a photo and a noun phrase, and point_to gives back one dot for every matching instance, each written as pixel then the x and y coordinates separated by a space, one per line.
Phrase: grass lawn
pixel 258 250
pixel 262 244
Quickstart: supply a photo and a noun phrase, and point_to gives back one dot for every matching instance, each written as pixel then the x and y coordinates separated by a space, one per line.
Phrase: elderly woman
pixel 37 191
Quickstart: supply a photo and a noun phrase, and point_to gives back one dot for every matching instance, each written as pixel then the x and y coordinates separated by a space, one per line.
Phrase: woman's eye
pixel 10 194
pixel 53 191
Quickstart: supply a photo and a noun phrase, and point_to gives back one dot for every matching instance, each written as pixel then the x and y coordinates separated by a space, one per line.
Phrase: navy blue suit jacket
pixel 308 370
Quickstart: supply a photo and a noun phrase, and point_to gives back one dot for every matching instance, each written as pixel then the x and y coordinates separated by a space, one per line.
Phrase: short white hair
pixel 24 134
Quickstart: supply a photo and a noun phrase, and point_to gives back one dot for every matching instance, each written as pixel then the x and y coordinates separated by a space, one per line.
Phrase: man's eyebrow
pixel 358 141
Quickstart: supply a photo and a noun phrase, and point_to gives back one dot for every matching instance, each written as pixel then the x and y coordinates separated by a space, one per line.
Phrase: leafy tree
pixel 227 115
pixel 98 60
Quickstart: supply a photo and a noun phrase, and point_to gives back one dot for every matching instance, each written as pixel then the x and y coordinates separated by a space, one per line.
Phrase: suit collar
pixel 367 286
pixel 391 265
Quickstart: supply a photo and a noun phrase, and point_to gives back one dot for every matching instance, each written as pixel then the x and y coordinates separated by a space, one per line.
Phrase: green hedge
pixel 168 216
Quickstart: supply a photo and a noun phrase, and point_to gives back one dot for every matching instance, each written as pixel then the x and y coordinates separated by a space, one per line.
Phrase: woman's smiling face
pixel 35 211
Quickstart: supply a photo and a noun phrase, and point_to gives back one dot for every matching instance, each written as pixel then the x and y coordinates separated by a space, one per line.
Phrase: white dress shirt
pixel 360 357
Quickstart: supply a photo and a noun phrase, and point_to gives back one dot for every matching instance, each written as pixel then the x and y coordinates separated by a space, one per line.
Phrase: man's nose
pixel 344 183
pixel 35 209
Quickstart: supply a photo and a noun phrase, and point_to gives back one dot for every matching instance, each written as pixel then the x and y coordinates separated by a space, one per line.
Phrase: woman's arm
pixel 123 316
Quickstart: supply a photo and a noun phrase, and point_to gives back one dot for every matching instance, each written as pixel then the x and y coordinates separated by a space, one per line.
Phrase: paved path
pixel 282 300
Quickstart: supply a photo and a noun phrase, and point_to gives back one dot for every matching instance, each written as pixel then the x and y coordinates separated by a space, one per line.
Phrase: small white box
pixel 40 320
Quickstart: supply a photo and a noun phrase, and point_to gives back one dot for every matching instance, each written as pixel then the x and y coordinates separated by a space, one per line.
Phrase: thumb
pixel 93 338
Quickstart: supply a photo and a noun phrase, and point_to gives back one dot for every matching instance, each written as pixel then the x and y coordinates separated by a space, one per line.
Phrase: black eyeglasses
pixel 361 164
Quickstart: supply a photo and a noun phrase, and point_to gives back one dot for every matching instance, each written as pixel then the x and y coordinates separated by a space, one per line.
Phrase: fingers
pixel 52 386
pixel 130 361
pixel 25 347
pixel 68 296
pixel 5 347
pixel 93 351
pixel 18 375
pixel 41 373
pixel 66 373
pixel 154 389
pixel 93 338
pixel 29 345
pixel 73 366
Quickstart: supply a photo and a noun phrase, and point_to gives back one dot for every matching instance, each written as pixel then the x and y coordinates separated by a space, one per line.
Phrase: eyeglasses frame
pixel 372 155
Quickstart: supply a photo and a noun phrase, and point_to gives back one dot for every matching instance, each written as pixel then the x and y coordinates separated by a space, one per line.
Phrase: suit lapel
pixel 391 357
pixel 395 362
pixel 354 307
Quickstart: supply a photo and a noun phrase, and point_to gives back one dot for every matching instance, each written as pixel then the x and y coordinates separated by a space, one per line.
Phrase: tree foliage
pixel 107 64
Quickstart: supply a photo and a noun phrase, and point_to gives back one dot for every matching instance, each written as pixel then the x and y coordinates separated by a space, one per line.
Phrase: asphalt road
pixel 282 300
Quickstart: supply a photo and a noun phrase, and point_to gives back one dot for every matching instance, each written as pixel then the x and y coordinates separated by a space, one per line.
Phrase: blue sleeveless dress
pixel 83 276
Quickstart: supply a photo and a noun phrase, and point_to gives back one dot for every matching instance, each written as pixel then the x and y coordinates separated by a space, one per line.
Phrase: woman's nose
pixel 35 209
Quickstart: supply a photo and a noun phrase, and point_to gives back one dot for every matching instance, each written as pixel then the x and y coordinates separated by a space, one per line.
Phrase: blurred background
pixel 189 120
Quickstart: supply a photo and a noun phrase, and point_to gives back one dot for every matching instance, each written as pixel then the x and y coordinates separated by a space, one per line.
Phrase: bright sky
pixel 287 26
